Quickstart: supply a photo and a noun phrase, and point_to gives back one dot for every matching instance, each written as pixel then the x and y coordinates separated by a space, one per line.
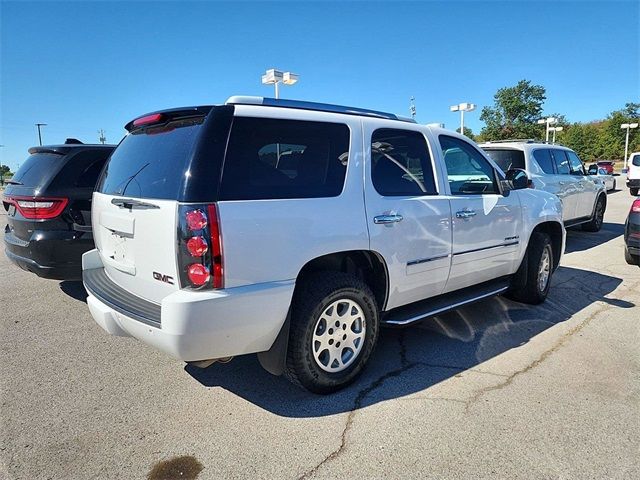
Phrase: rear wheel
pixel 614 185
pixel 634 192
pixel 595 224
pixel 334 329
pixel 539 268
pixel 630 258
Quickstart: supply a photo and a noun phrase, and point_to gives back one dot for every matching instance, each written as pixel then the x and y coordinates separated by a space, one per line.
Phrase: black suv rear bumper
pixel 52 254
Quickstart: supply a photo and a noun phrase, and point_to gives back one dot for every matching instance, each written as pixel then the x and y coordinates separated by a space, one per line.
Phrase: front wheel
pixel 334 329
pixel 539 268
pixel 595 224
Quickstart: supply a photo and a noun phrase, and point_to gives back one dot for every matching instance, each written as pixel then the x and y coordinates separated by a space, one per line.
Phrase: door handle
pixel 562 183
pixel 386 219
pixel 466 214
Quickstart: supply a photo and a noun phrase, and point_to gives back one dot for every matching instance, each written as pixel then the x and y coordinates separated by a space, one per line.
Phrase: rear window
pixel 273 158
pixel 38 169
pixel 152 162
pixel 507 159
pixel 635 160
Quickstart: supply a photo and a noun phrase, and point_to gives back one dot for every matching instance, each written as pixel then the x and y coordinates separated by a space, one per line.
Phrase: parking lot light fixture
pixel 275 77
pixel 462 107
pixel 548 122
pixel 627 126
pixel 554 130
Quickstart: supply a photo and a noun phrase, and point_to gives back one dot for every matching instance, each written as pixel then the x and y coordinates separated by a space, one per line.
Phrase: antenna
pixel 102 138
pixel 412 107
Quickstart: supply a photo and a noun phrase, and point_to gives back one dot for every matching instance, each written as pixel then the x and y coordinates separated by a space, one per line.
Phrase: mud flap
pixel 519 279
pixel 274 359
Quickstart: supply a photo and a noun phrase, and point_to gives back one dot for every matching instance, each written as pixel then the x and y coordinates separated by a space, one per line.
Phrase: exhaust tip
pixel 211 361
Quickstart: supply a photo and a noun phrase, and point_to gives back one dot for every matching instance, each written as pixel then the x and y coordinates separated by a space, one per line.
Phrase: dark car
pixel 48 205
pixel 607 165
pixel 632 235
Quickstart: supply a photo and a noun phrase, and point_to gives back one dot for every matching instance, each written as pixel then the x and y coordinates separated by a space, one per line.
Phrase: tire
pixel 322 299
pixel 595 224
pixel 630 258
pixel 633 191
pixel 539 260
pixel 614 185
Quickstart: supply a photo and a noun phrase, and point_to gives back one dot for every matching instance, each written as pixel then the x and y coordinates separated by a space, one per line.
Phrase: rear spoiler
pixel 164 116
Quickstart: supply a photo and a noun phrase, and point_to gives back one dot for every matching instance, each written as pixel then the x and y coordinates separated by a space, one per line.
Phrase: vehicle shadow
pixel 420 356
pixel 578 240
pixel 75 289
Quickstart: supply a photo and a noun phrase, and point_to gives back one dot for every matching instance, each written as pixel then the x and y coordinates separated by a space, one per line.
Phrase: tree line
pixel 517 109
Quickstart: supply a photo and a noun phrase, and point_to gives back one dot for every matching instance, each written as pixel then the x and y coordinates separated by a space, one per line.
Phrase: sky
pixel 84 66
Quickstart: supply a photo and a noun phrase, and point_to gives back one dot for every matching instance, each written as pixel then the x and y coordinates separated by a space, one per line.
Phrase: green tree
pixel 4 169
pixel 515 112
pixel 467 133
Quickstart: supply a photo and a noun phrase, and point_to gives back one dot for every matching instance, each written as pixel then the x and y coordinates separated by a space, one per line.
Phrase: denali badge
pixel 163 278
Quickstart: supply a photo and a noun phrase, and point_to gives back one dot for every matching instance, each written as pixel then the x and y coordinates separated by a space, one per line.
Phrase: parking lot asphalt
pixel 495 390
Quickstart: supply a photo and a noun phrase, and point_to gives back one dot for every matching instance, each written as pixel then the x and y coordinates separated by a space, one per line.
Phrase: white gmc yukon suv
pixel 295 230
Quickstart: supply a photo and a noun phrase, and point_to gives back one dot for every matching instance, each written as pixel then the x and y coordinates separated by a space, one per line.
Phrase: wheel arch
pixel 555 231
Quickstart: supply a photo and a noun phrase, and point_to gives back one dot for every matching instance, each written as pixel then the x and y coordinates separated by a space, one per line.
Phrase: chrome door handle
pixel 562 183
pixel 466 214
pixel 386 219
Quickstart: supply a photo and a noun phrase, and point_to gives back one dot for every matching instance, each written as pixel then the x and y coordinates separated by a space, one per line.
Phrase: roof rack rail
pixel 320 107
pixel 520 140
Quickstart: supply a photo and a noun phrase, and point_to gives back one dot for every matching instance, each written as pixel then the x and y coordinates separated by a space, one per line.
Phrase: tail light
pixel 635 206
pixel 200 247
pixel 38 208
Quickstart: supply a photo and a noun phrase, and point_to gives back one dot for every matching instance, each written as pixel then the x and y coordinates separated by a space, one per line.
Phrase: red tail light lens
pixel 196 220
pixel 38 208
pixel 216 247
pixel 635 206
pixel 197 246
pixel 198 274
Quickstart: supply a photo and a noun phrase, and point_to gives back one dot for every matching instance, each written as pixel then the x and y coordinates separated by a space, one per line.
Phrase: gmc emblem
pixel 163 278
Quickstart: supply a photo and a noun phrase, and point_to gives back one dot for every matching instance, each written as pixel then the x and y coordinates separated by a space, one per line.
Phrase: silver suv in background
pixel 558 170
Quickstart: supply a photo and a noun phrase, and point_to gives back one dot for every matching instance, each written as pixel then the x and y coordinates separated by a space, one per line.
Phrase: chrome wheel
pixel 338 336
pixel 544 270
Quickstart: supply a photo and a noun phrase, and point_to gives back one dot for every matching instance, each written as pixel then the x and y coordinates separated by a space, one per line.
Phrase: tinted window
pixel 575 164
pixel 594 170
pixel 635 160
pixel 507 159
pixel 400 163
pixel 467 170
pixel 561 161
pixel 89 177
pixel 151 163
pixel 543 157
pixel 270 158
pixel 38 169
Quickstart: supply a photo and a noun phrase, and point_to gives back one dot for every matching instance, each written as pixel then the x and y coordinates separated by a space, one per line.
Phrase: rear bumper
pixel 193 325
pixel 633 182
pixel 50 254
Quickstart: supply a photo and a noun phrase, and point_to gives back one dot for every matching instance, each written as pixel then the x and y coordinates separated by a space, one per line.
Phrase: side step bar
pixel 423 309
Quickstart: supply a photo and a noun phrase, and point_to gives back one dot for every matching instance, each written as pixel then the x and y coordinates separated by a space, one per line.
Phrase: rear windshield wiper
pixel 13 182
pixel 130 203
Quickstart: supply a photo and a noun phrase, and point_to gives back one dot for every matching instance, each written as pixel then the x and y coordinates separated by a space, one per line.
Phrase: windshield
pixel 151 162
pixel 507 159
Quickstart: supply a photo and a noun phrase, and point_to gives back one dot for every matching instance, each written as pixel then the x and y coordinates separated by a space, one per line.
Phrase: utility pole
pixel 102 138
pixel 412 107
pixel 39 134
pixel 627 126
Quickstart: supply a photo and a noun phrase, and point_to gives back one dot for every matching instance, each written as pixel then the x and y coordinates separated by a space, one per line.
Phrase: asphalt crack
pixel 357 404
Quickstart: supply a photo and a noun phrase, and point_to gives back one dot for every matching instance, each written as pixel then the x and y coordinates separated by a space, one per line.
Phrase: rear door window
pixel 507 159
pixel 151 162
pixel 561 162
pixel 400 163
pixel 274 159
pixel 543 157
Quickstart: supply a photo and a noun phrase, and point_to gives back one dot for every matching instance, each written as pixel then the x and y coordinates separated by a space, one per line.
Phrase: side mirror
pixel 518 179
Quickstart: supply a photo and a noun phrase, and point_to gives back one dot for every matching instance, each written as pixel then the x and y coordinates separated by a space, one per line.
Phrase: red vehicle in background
pixel 607 165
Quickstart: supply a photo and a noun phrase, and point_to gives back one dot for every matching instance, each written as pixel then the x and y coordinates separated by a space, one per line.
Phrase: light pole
pixel 547 121
pixel 273 76
pixel 554 130
pixel 628 126
pixel 462 107
pixel 39 134
pixel 412 107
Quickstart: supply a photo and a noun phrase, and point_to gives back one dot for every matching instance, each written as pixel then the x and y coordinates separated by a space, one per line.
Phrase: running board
pixel 423 309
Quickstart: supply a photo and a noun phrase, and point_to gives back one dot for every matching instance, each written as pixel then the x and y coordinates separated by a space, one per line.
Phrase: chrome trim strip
pixel 425 260
pixel 507 244
pixel 445 309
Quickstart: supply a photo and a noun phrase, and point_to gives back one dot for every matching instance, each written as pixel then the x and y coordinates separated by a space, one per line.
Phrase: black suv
pixel 48 204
